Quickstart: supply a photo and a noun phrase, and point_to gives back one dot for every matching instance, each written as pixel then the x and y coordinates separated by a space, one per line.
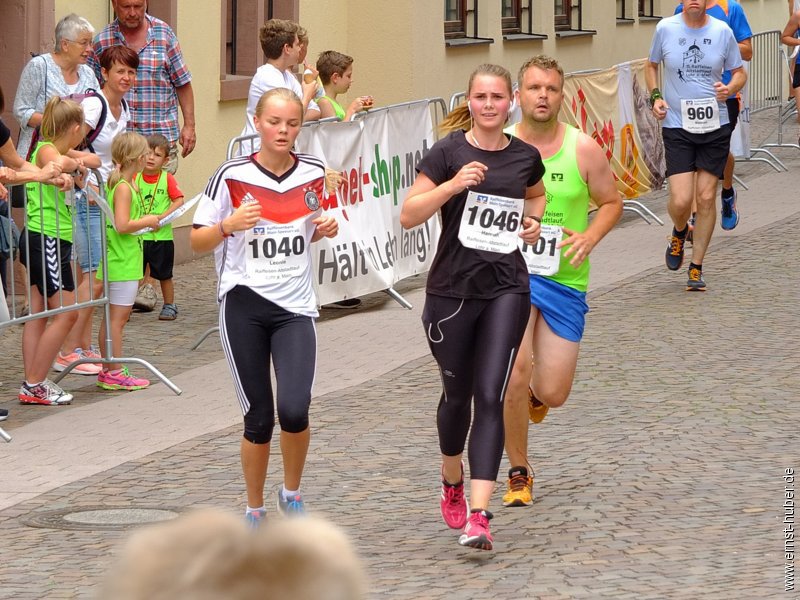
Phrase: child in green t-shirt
pixel 161 196
pixel 124 254
pixel 46 249
pixel 336 74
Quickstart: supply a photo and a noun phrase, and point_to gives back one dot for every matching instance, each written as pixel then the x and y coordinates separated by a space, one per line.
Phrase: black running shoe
pixel 674 255
pixel 695 282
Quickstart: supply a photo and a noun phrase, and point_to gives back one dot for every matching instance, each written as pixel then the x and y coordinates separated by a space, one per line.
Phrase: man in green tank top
pixel 577 174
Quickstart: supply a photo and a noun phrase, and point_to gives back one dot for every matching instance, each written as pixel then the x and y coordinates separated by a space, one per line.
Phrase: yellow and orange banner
pixel 612 107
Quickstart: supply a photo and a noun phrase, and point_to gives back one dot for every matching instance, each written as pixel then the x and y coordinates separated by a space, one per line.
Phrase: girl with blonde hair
pixel 124 251
pixel 260 215
pixel 46 249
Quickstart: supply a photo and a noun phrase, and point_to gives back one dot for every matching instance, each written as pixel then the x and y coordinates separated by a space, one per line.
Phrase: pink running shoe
pixel 476 533
pixel 63 361
pixel 120 380
pixel 453 502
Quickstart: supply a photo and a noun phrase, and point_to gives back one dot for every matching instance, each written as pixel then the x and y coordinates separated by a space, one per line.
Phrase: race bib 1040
pixel 491 223
pixel 543 257
pixel 275 251
pixel 700 116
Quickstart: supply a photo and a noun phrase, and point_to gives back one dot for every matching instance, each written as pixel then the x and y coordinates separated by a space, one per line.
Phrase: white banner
pixel 740 139
pixel 377 156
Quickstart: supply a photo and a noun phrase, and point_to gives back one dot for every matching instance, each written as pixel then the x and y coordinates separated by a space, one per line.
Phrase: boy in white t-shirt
pixel 283 49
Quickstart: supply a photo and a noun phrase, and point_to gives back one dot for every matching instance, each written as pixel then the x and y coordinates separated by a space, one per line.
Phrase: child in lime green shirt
pixel 162 197
pixel 336 74
pixel 124 250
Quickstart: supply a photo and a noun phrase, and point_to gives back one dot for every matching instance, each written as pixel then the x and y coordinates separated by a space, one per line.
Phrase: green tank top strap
pixel 340 112
pixel 46 209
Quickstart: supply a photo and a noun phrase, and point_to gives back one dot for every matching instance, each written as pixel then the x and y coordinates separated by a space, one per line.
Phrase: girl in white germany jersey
pixel 259 214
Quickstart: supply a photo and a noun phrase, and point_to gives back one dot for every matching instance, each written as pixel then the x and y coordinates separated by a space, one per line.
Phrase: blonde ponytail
pixel 59 115
pixel 458 118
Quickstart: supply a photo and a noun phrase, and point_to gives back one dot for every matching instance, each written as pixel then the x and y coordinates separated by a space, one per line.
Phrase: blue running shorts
pixel 562 307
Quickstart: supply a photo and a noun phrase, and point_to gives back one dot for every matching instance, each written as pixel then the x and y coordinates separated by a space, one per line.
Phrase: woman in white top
pixel 60 73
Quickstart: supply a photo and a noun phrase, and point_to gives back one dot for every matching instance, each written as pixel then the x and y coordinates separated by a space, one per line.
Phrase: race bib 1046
pixel 700 116
pixel 543 257
pixel 275 251
pixel 491 223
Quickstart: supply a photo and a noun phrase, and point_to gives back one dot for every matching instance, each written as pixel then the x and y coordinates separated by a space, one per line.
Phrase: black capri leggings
pixel 475 343
pixel 252 330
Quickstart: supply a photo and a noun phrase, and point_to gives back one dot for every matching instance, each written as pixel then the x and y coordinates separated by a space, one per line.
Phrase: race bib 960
pixel 700 116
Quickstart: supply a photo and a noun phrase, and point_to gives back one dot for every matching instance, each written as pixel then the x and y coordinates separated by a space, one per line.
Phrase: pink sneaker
pixel 453 504
pixel 120 380
pixel 92 352
pixel 476 533
pixel 62 362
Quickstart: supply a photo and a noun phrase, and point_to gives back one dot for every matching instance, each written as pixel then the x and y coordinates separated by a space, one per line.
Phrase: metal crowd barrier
pixel 768 90
pixel 23 312
pixel 237 145
pixel 438 106
pixel 456 99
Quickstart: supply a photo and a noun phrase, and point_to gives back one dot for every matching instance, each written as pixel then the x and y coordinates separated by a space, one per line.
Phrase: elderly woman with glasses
pixel 59 73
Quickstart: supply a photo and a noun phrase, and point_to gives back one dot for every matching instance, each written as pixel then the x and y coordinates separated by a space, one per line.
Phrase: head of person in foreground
pixel 210 554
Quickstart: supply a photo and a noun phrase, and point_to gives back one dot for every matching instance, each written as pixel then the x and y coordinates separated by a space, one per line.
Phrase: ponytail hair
pixel 126 148
pixel 460 117
pixel 59 115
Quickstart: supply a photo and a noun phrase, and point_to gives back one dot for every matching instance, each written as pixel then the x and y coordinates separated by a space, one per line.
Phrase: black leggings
pixel 475 343
pixel 252 330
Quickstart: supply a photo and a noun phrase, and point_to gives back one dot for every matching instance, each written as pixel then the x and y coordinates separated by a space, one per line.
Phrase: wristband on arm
pixel 655 94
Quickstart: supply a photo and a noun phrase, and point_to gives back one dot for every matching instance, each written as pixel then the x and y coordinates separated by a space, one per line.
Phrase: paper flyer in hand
pixel 173 215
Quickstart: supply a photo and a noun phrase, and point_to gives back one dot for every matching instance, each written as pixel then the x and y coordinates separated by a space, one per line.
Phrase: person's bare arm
pixel 188 135
pixel 660 106
pixel 205 238
pixel 787 36
pixel 596 171
pixel 425 197
pixel 746 49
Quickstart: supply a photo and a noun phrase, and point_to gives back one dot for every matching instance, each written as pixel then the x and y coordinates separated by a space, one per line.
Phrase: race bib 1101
pixel 491 223
pixel 543 257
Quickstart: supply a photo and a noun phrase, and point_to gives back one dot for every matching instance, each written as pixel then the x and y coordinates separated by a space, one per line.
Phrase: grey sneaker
pixel 169 312
pixel 695 282
pixel 146 298
pixel 674 254
pixel 291 506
